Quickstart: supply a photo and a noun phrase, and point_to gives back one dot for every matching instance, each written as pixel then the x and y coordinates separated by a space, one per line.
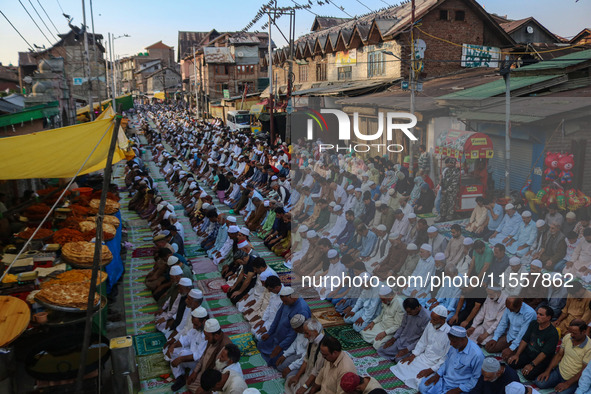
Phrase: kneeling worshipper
pixel 460 370
pixel 311 361
pixel 495 377
pixel 430 351
pixel 526 236
pixel 425 269
pixel 508 227
pixel 263 272
pixel 353 383
pixel 262 318
pixel 406 337
pixel 190 347
pixel 365 308
pixel 229 382
pixel 183 323
pixel 289 361
pixel 381 329
pixel 280 335
pixel 166 319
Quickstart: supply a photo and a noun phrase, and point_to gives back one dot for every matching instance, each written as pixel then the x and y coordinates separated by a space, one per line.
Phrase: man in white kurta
pixel 336 269
pixel 170 307
pixel 263 271
pixel 430 351
pixel 192 345
pixel 424 270
pixel 263 325
pixel 383 327
pixel 488 317
pixel 366 306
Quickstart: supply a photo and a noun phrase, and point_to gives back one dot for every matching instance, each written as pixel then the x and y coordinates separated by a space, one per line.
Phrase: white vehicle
pixel 238 120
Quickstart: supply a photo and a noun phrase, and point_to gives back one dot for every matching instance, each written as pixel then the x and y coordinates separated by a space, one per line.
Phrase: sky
pixel 149 21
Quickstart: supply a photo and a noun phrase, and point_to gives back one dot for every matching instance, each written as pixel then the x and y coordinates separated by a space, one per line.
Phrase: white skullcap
pixel 378 204
pixel 512 388
pixel 432 229
pixel 303 228
pixel 286 291
pixel 509 206
pixel 537 263
pixel 337 208
pixel 427 247
pixel 311 234
pixel 137 178
pixel 411 246
pixel 172 260
pixel 385 290
pixel 196 294
pixel 245 231
pixel 266 203
pixel 297 321
pixel 526 214
pixel 571 215
pixel 199 312
pixel 265 275
pixel 394 235
pixel 440 256
pixel 243 244
pixel 540 223
pixel 186 282
pixel 412 215
pixel 514 261
pixel 233 229
pixel 176 270
pixel 350 187
pixel 391 192
pixel 159 207
pixel 212 326
pixel 231 219
pixel 491 364
pixel 332 204
pixel 251 390
pixel 458 331
pixel 358 189
pixel 203 194
pixel 440 310
pixel 468 241
pixel 331 254
pixel 381 227
pixel 206 205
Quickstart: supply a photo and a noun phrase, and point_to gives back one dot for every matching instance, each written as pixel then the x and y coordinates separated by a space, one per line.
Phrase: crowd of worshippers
pixel 355 225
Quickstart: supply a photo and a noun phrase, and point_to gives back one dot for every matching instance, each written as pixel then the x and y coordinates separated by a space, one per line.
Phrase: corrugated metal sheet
pixel 220 55
pixel 497 88
pixel 521 162
pixel 561 62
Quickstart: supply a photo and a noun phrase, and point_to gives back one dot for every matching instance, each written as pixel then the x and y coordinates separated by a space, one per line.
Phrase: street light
pixel 113 38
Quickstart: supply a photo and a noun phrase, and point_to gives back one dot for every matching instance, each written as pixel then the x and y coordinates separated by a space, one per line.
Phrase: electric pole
pixel 411 168
pixel 86 55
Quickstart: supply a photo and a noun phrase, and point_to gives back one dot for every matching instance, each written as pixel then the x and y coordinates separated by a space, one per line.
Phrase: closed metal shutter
pixel 521 162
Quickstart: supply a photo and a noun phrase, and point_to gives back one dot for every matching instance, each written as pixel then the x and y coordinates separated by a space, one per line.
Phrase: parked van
pixel 238 120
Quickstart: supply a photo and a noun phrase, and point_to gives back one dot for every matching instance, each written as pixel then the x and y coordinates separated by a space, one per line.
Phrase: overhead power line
pixel 30 16
pixel 58 3
pixel 42 21
pixel 19 33
pixel 339 7
pixel 56 29
pixel 370 10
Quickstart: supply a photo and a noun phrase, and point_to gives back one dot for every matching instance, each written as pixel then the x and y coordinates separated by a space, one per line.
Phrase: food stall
pixel 472 150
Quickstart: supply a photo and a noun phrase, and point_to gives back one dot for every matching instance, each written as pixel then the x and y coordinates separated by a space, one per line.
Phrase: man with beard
pixel 381 329
pixel 310 363
pixel 495 377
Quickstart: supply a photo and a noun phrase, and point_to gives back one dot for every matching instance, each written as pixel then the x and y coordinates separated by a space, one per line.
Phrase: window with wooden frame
pixel 303 73
pixel 345 73
pixel 321 71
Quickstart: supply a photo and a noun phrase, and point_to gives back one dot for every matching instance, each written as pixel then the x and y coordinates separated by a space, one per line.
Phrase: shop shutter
pixel 521 162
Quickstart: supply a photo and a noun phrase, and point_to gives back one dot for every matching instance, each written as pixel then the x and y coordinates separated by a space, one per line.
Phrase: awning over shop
pixel 59 153
pixel 455 143
pixel 159 96
pixel 29 114
pixel 125 101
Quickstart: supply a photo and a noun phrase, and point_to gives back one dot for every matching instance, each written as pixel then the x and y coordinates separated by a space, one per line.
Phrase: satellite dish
pixel 240 54
pixel 28 79
pixel 530 30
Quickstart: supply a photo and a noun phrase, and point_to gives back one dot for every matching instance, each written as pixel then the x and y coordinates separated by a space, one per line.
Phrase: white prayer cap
pixel 212 326
pixel 231 219
pixel 244 184
pixel 172 260
pixel 571 215
pixel 233 229
pixel 331 254
pixel 186 282
pixel 395 235
pixel 332 204
pixel 412 215
pixel 203 194
pixel 491 364
pixel 391 192
pixel 426 247
pixel 286 291
pixel 381 227
pixel 526 214
pixel 176 270
pixel 350 187
pixel 274 178
pixel 514 261
pixel 512 388
pixel 243 244
pixel 440 310
pixel 137 178
pixel 311 234
pixel 537 263
pixel 303 228
pixel 245 231
pixel 337 208
pixel 509 206
pixel 540 223
pixel 206 205
pixel 385 290
pixel 358 189
pixel 378 204
pixel 192 186
pixel 159 207
pixel 432 229
pixel 468 241
pixel 371 183
pixel 411 246
pixel 265 275
pixel 440 256
pixel 196 294
pixel 266 203
pixel 297 321
pixel 457 331
pixel 200 312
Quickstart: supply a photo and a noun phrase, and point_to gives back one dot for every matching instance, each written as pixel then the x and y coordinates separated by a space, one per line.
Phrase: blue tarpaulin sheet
pixel 115 268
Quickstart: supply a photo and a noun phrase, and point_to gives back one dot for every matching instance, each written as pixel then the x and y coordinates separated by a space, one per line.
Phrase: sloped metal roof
pixel 219 55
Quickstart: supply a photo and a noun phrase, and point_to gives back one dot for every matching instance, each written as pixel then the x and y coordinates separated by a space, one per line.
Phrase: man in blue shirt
pixel 508 228
pixel 461 369
pixel 511 328
pixel 495 216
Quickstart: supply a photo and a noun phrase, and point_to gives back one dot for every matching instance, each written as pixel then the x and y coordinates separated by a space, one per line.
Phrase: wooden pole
pixel 97 256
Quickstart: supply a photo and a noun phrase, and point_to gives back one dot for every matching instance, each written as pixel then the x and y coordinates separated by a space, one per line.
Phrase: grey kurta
pixel 407 335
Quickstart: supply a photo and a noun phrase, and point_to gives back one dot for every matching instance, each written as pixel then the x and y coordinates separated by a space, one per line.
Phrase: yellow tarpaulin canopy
pixel 159 96
pixel 59 153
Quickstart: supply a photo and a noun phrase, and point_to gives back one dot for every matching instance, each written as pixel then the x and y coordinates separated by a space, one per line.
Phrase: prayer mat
pixel 149 343
pixel 236 328
pixel 318 304
pixel 427 215
pixel 286 278
pixel 246 344
pixel 328 317
pixel 230 319
pixel 208 275
pixel 219 303
pixel 212 286
pixel 156 386
pixel 260 374
pixel 152 366
pixel 202 265
pixel 143 252
pixel 349 338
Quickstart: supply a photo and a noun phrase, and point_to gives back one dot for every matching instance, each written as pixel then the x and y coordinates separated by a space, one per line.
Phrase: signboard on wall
pixel 346 58
pixel 480 56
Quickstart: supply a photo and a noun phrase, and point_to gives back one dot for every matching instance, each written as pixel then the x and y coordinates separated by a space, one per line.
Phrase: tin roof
pixel 220 55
